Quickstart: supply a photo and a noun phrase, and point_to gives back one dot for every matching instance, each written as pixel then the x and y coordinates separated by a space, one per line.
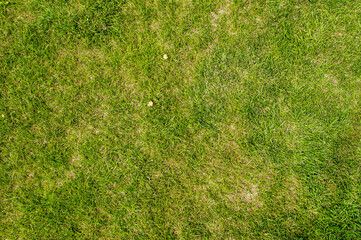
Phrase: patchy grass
pixel 249 128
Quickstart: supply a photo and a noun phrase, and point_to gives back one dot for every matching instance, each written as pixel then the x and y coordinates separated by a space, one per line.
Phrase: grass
pixel 254 131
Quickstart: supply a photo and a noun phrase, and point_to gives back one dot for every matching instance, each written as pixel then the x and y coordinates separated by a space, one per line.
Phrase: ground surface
pixel 180 119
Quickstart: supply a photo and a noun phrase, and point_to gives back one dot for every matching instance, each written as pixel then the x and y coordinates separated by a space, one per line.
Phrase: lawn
pixel 180 119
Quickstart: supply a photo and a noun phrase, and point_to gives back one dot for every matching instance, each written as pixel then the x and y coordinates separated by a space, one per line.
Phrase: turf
pixel 182 119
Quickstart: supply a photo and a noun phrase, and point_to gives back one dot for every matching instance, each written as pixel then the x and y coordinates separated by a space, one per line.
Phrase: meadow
pixel 180 119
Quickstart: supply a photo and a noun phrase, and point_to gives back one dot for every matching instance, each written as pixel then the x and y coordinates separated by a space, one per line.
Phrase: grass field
pixel 181 119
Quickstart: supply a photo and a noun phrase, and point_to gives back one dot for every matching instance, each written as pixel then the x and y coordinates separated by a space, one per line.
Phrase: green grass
pixel 254 131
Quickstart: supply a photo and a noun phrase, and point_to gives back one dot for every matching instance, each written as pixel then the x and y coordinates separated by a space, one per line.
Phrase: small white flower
pixel 165 56
pixel 150 104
